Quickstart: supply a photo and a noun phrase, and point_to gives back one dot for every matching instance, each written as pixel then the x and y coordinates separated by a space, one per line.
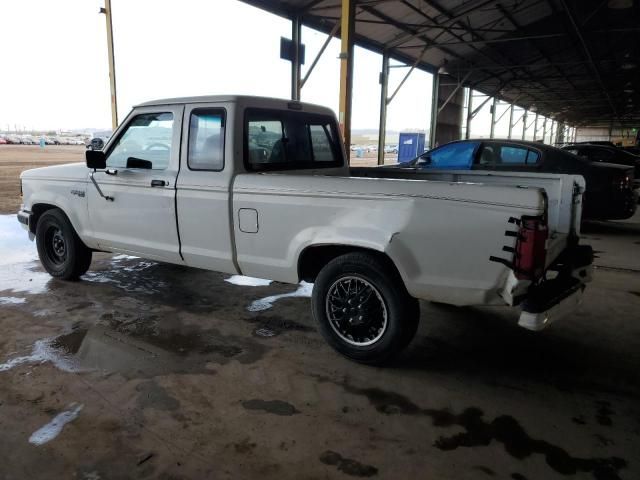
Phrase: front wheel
pixel 363 309
pixel 61 252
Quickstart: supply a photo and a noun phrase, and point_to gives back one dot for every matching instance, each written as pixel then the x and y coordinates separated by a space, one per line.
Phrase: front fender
pixel 70 197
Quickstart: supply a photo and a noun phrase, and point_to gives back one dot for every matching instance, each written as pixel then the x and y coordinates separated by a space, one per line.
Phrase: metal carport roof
pixel 574 60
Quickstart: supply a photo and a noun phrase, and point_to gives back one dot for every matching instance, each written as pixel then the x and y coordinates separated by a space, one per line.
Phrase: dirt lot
pixel 149 370
pixel 14 159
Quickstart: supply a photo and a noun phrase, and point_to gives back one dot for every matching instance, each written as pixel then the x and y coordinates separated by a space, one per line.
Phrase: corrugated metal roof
pixel 574 60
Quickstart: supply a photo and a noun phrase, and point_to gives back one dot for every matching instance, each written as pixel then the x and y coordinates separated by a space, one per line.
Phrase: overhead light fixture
pixel 619 4
pixel 628 90
pixel 628 66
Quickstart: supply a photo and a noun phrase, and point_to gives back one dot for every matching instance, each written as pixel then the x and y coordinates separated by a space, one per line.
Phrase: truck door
pixel 139 215
pixel 203 188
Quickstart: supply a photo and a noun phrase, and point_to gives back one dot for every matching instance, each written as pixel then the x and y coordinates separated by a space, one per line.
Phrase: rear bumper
pixel 553 299
pixel 539 315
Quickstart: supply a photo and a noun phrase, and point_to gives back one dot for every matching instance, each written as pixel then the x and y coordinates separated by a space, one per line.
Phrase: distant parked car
pixel 605 153
pixel 609 195
pixel 391 149
pixel 3 141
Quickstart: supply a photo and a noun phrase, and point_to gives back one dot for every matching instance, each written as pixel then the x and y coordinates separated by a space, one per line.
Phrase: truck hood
pixel 68 171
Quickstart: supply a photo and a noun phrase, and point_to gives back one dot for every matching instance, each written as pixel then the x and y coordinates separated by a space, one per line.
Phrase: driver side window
pixel 147 137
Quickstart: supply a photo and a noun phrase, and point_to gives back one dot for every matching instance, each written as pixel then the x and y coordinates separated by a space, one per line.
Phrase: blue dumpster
pixel 411 145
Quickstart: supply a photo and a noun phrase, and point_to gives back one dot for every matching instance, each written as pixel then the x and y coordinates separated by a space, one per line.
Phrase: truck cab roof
pixel 248 100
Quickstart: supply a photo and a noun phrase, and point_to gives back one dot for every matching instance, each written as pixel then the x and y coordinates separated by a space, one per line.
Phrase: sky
pixel 54 69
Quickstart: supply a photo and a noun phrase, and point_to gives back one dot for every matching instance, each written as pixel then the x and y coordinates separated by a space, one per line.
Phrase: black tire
pixel 61 252
pixel 389 317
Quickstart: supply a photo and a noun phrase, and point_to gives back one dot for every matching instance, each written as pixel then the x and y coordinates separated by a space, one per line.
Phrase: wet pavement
pixel 149 370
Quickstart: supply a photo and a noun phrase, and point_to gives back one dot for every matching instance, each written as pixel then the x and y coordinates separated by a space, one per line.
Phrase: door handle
pixel 159 183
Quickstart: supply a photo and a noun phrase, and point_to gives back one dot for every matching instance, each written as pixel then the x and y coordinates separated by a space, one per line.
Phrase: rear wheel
pixel 363 309
pixel 61 252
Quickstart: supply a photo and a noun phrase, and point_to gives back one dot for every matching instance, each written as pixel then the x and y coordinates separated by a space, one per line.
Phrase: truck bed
pixel 561 191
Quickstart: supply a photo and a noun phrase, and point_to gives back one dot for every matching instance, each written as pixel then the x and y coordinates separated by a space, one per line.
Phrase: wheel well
pixel 37 210
pixel 313 258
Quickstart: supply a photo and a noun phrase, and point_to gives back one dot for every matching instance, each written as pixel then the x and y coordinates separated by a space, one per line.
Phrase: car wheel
pixel 61 252
pixel 363 309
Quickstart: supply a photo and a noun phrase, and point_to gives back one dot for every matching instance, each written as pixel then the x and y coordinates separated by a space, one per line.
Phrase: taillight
pixel 621 183
pixel 531 248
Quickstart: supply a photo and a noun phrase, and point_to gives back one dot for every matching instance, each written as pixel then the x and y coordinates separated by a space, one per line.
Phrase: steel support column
pixel 544 130
pixel 434 110
pixel 347 31
pixel 535 128
pixel 112 64
pixel 384 87
pixel 469 113
pixel 296 67
pixel 560 132
pixel 493 117
pixel 610 130
pixel 510 120
pixel 524 124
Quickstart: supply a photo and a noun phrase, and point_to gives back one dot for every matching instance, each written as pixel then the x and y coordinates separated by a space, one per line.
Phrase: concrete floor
pixel 146 370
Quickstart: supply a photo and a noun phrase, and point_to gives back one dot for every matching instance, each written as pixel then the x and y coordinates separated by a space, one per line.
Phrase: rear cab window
pixel 206 139
pixel 287 140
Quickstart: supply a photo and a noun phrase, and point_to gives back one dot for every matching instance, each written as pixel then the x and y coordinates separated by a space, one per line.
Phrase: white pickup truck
pixel 260 187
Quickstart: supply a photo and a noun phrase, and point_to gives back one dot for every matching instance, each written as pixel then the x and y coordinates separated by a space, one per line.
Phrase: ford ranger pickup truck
pixel 261 187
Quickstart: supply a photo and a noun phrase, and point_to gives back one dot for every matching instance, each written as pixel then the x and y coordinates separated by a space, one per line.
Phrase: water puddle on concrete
pixel 12 300
pixel 243 281
pixel 130 274
pixel 43 351
pixel 304 290
pixel 52 429
pixel 138 346
pixel 18 261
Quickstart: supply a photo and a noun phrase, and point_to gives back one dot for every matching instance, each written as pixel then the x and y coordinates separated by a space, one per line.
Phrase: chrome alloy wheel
pixel 356 311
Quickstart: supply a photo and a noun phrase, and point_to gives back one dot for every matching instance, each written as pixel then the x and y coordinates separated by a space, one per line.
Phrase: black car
pixel 632 150
pixel 606 143
pixel 603 153
pixel 609 194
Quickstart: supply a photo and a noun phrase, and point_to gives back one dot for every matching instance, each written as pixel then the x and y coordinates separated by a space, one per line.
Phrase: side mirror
pixel 424 160
pixel 133 162
pixel 96 159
